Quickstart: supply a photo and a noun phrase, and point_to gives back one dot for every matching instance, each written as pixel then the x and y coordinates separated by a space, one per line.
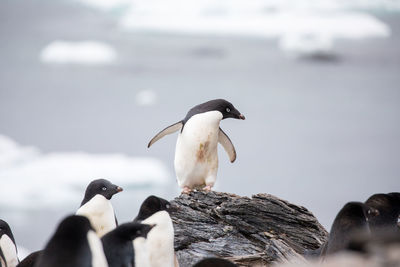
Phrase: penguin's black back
pixel 69 245
pixel 388 206
pixel 349 222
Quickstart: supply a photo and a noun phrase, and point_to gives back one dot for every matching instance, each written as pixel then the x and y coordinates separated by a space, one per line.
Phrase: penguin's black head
pixel 388 206
pixel 74 225
pixel 151 205
pixel 132 230
pixel 221 105
pixel 354 216
pixel 100 187
pixel 6 230
pixel 214 262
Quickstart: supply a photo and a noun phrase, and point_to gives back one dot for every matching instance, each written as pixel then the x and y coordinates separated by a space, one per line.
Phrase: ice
pixel 84 52
pixel 302 27
pixel 34 179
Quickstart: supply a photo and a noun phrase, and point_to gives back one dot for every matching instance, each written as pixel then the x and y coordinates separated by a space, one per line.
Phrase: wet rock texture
pixel 254 231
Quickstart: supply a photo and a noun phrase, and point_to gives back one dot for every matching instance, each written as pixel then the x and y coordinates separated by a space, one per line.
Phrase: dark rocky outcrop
pixel 252 231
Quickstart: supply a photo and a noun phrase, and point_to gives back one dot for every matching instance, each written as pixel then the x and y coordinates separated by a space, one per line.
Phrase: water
pixel 319 131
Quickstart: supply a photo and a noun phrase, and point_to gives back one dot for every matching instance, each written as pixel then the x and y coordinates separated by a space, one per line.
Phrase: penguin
pixel 74 243
pixel 350 222
pixel 388 206
pixel 196 157
pixel 96 205
pixel 30 260
pixel 214 262
pixel 118 246
pixel 160 240
pixel 8 249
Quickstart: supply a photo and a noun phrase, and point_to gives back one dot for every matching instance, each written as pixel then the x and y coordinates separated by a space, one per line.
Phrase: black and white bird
pixel 350 223
pixel 118 244
pixel 74 243
pixel 8 248
pixel 96 205
pixel 196 155
pixel 159 244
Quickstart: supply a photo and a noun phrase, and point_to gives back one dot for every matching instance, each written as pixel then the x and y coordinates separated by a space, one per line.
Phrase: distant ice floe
pixel 301 26
pixel 146 98
pixel 85 52
pixel 30 178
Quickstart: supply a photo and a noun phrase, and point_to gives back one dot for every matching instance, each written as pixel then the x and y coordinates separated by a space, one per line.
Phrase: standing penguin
pixel 388 206
pixel 118 245
pixel 160 240
pixel 350 222
pixel 196 155
pixel 96 205
pixel 73 244
pixel 8 249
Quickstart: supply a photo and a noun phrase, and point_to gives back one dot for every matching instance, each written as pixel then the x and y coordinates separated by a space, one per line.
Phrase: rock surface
pixel 254 231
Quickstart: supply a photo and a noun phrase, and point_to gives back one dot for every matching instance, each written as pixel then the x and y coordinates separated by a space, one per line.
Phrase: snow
pixel 31 178
pixel 83 52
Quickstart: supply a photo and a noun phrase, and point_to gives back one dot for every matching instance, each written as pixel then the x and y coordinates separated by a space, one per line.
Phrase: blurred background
pixel 85 84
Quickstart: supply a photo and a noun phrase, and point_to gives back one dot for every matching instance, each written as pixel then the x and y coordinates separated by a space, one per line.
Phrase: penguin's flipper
pixel 169 130
pixel 224 140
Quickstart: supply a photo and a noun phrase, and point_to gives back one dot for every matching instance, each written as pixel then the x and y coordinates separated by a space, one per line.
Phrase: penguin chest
pixel 196 155
pixel 100 213
pixel 160 240
pixel 9 250
pixel 142 257
pixel 96 248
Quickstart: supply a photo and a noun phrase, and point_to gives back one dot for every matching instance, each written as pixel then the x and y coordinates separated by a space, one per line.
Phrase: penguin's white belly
pixel 9 251
pixel 160 240
pixel 96 248
pixel 142 257
pixel 196 154
pixel 100 213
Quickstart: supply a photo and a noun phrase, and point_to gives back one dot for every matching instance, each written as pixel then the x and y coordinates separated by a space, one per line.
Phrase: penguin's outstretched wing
pixel 169 130
pixel 224 140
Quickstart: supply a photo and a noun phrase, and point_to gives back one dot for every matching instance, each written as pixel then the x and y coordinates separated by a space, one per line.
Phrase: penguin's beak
pixel 119 189
pixel 242 117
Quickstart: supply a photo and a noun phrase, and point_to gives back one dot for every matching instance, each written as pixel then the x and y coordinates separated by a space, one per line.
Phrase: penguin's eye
pixel 167 206
pixel 228 110
pixel 139 232
pixel 104 188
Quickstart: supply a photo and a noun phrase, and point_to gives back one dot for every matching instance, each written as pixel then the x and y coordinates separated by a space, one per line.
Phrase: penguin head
pixel 388 206
pixel 6 230
pixel 354 216
pixel 100 187
pixel 132 230
pixel 151 205
pixel 74 225
pixel 225 107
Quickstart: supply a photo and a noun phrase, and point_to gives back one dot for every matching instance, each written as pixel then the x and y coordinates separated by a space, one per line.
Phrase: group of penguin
pixel 360 225
pixel 93 238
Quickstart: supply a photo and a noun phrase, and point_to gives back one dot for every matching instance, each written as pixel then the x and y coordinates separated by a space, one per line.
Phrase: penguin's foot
pixel 186 190
pixel 207 188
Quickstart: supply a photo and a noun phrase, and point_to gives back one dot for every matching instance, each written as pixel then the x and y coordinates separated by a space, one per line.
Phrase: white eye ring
pixel 228 110
pixel 167 206
pixel 104 188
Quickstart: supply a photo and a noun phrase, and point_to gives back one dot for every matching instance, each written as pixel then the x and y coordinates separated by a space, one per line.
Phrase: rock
pixel 253 231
